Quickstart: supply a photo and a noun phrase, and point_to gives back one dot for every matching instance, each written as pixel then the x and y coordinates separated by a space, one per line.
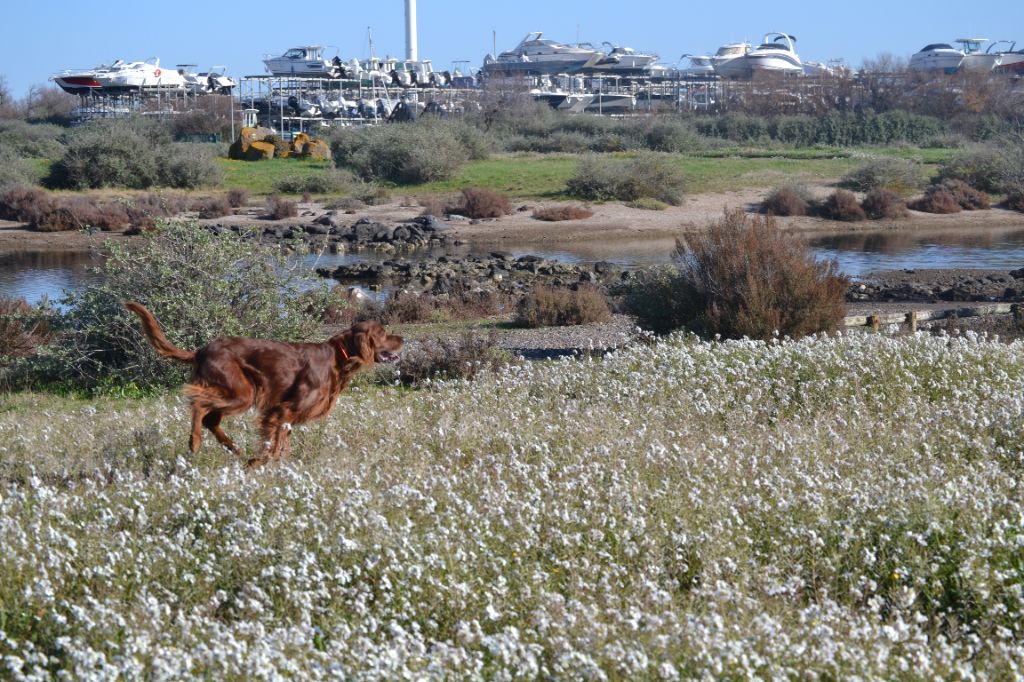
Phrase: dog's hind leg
pixel 212 422
pixel 199 414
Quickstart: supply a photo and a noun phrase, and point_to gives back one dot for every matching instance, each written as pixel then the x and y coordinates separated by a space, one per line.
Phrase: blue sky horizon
pixel 238 36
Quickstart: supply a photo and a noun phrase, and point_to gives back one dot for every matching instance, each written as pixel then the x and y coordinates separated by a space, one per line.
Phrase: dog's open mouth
pixel 388 356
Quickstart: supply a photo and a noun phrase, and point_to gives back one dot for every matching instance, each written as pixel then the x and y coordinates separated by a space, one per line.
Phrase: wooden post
pixel 912 321
pixel 874 322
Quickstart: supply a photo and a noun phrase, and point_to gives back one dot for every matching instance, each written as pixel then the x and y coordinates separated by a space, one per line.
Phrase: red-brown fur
pixel 287 383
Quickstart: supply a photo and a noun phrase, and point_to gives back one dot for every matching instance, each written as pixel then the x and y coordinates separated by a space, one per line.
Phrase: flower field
pixel 829 509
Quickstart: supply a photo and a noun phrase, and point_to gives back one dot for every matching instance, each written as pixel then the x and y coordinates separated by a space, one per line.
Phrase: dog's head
pixel 368 343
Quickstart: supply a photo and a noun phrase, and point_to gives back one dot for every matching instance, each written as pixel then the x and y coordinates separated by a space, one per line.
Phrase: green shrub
pixel 31 141
pixel 983 169
pixel 409 153
pixel 189 166
pixel 898 175
pixel 552 306
pixel 15 170
pixel 1015 200
pixel 198 283
pixel 134 154
pixel 330 181
pixel 675 135
pixel 643 176
pixel 743 277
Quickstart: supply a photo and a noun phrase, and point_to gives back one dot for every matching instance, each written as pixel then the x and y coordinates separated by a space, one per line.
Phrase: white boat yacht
pixel 1011 60
pixel 303 62
pixel 775 54
pixel 729 61
pixel 536 55
pixel 623 60
pixel 214 81
pixel 82 81
pixel 937 57
pixel 700 66
pixel 145 75
pixel 976 61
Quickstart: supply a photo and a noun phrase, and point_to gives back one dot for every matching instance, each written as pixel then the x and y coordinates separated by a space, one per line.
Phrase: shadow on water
pixel 35 275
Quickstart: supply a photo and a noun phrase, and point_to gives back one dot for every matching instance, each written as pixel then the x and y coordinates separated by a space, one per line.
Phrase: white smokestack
pixel 411 48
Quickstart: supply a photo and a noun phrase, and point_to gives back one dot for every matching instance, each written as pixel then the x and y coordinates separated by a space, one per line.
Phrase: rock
pixel 457 217
pixel 314 228
pixel 602 266
pixel 502 256
pixel 259 151
pixel 588 277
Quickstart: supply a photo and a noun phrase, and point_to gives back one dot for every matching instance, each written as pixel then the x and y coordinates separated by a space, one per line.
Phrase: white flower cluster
pixel 836 508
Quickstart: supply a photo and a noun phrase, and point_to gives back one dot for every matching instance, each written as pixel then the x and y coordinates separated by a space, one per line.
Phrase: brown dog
pixel 287 383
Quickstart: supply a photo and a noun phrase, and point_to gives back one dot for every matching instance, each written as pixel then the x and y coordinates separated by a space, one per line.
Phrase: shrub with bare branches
pixel 556 214
pixel 213 207
pixel 237 198
pixel 1015 201
pixel 936 200
pixel 842 205
pixel 440 358
pixel 969 198
pixel 22 329
pixel 743 277
pixel 884 203
pixel 480 202
pixel 279 209
pixel 552 306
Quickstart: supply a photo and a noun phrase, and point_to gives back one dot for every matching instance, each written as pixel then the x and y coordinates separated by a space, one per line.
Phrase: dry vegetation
pixel 556 214
pixel 551 306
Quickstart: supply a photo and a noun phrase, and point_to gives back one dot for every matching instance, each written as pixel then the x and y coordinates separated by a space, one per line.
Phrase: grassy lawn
pixel 258 177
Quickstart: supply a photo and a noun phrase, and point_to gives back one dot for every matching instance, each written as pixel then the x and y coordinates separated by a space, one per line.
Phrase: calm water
pixel 34 275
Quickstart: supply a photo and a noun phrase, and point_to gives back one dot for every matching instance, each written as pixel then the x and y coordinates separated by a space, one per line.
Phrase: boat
pixel 937 57
pixel 976 61
pixel 144 75
pixel 729 61
pixel 81 81
pixel 536 55
pixel 700 66
pixel 562 100
pixel 1012 60
pixel 304 62
pixel 214 81
pixel 621 61
pixel 775 54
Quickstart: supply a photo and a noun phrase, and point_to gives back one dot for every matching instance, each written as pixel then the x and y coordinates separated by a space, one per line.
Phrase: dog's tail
pixel 156 335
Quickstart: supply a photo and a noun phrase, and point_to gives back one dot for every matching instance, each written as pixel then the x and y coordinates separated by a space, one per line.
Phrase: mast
pixel 411 47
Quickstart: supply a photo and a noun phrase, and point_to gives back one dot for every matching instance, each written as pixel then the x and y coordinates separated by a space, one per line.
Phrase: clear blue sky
pixel 43 37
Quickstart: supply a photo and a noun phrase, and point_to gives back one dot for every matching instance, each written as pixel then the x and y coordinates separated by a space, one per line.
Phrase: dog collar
pixel 344 353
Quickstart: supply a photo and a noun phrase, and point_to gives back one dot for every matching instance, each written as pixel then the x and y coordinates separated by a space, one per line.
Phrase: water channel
pixel 35 275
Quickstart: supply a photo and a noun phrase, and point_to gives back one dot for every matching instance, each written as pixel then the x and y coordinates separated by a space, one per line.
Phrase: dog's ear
pixel 349 349
pixel 365 347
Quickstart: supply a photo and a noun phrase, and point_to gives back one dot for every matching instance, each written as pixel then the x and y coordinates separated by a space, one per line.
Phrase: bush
pixel 969 198
pixel 101 155
pixel 884 203
pixel 212 207
pixel 444 359
pixel 842 205
pixel 30 141
pixel 23 329
pixel 198 283
pixel 898 175
pixel 983 169
pixel 480 202
pixel 460 303
pixel 644 176
pixel 785 201
pixel 331 181
pixel 1015 200
pixel 744 277
pixel 408 153
pixel 937 200
pixel 188 166
pixel 16 171
pixel 647 204
pixel 551 306
pixel 279 209
pixel 238 198
pixel 556 214
pixel 435 205
pixel 48 212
